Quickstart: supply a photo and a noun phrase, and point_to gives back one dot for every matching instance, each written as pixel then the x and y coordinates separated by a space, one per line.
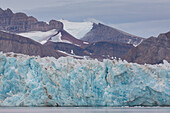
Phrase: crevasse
pixel 35 81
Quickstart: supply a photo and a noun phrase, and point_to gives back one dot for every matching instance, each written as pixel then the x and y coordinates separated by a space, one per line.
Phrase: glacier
pixel 34 81
pixel 77 29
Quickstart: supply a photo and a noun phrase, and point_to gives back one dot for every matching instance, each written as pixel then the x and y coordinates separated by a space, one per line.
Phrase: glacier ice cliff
pixel 35 81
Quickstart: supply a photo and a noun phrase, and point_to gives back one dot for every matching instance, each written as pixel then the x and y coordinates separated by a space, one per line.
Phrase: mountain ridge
pixel 152 50
pixel 18 44
pixel 101 32
pixel 20 22
pixel 113 42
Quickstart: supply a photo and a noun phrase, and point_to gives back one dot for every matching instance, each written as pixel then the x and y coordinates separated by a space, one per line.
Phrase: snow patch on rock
pixel 43 37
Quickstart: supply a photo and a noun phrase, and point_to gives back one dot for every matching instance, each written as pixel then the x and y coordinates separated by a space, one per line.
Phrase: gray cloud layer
pixel 121 13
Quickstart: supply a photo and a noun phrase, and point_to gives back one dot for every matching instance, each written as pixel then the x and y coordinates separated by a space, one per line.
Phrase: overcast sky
pixel 139 17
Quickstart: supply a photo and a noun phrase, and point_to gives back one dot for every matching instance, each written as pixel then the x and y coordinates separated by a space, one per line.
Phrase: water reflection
pixel 84 110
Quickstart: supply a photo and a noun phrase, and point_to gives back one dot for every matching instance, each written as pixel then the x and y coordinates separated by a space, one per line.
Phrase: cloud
pixel 145 28
pixel 113 11
pixel 34 4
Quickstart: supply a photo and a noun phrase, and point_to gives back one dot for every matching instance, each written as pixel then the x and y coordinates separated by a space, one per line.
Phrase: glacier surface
pixel 77 29
pixel 35 81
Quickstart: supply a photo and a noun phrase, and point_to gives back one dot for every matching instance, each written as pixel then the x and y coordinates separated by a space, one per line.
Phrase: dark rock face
pixel 70 38
pixel 102 32
pixel 19 44
pixel 20 22
pixel 99 50
pixel 108 49
pixel 68 48
pixel 151 51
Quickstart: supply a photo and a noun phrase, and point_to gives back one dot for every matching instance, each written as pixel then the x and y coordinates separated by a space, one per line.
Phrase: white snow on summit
pixel 77 29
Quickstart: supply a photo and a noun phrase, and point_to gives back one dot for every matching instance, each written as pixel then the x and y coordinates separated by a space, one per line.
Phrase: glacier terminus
pixel 35 81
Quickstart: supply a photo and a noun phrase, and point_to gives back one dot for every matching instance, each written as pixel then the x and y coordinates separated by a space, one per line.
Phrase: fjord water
pixel 84 110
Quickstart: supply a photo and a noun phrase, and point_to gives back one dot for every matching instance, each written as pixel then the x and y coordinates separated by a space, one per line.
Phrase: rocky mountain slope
pixel 68 37
pixel 100 42
pixel 151 51
pixel 101 32
pixel 53 36
pixel 18 44
pixel 20 22
pixel 68 48
pixel 99 50
pixel 108 50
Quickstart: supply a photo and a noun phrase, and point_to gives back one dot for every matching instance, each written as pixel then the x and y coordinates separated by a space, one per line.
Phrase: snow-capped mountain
pixel 19 44
pixel 101 32
pixel 95 32
pixel 97 40
pixel 77 29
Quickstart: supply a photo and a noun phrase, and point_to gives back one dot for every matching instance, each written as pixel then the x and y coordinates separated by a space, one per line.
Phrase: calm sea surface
pixel 84 110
